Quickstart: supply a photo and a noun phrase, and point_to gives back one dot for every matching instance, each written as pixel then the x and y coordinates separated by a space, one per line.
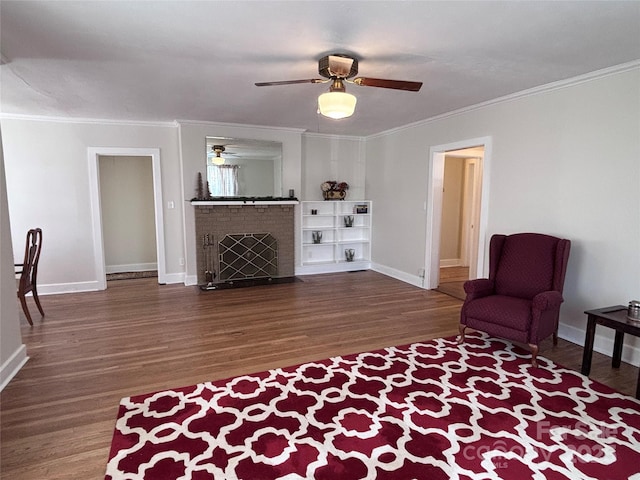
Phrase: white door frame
pixel 94 154
pixel 434 205
pixel 471 213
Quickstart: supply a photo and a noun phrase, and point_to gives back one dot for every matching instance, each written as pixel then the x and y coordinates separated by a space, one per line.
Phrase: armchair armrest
pixel 550 300
pixel 478 288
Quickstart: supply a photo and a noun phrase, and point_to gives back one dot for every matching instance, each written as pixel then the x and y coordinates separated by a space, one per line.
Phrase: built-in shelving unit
pixel 340 228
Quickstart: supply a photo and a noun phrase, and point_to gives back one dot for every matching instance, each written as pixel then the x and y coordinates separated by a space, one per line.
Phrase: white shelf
pixel 329 255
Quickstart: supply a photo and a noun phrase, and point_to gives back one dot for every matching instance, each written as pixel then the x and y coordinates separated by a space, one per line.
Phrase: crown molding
pixel 333 136
pixel 87 121
pixel 549 87
pixel 182 122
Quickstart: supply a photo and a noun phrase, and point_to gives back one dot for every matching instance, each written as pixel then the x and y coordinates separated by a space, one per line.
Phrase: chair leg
pixel 534 354
pixel 555 338
pixel 37 300
pixel 461 328
pixel 25 309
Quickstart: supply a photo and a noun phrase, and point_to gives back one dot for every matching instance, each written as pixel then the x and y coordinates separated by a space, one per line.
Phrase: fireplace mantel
pixel 222 203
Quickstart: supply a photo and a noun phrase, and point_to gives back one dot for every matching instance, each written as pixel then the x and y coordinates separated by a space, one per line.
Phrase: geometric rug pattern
pixel 430 410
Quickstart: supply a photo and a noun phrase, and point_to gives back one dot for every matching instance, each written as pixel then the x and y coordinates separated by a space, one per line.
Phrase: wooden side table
pixel 613 317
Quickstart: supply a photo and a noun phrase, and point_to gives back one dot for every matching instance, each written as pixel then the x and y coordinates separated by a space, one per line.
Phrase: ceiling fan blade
pixel 290 82
pixel 395 84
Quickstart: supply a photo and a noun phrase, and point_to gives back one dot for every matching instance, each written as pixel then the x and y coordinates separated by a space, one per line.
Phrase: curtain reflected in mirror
pixel 244 167
pixel 223 180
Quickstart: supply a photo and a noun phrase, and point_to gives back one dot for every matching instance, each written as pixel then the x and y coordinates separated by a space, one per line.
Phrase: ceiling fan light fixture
pixel 337 105
pixel 218 159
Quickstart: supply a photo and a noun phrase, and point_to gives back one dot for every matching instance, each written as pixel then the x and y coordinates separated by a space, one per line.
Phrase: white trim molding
pixel 12 366
pixel 434 205
pixel 94 154
pixel 132 267
pixel 569 82
pixel 414 280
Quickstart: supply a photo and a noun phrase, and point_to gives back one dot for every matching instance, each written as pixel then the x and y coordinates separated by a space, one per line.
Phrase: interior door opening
pixel 94 154
pixel 128 220
pixel 460 218
pixel 456 214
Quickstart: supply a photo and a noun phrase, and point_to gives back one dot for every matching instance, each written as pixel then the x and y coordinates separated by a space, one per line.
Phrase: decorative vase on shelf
pixel 348 221
pixel 316 236
pixel 333 190
pixel 334 194
pixel 349 254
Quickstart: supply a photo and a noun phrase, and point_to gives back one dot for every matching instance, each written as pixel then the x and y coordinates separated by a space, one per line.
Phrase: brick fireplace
pixel 260 234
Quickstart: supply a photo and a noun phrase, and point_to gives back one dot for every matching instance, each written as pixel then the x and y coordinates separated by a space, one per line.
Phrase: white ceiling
pixel 198 60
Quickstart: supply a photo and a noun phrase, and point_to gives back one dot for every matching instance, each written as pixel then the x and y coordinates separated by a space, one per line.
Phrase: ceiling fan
pixel 216 154
pixel 338 69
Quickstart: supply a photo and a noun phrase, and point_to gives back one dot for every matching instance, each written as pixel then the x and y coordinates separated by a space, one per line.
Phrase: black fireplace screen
pixel 248 255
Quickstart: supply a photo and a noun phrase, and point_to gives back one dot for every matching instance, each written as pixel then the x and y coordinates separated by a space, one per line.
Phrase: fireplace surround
pixel 244 242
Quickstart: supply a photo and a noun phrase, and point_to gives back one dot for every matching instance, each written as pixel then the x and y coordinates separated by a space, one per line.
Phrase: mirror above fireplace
pixel 243 167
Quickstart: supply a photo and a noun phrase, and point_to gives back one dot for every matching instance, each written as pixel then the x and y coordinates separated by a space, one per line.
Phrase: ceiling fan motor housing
pixel 332 66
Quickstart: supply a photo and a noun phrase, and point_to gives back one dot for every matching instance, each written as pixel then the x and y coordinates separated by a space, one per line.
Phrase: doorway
pixel 128 217
pixel 94 156
pixel 457 208
pixel 458 248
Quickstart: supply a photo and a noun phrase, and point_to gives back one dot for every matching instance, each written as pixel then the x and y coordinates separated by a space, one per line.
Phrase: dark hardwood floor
pixel 57 415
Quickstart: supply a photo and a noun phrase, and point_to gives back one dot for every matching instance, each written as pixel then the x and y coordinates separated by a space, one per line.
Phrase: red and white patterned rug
pixel 432 410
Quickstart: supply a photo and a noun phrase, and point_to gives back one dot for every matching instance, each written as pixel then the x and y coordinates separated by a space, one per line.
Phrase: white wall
pixel 128 213
pixel 329 157
pixel 564 162
pixel 13 353
pixel 48 186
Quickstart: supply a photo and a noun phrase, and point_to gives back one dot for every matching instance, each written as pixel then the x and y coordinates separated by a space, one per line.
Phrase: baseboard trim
pixel 333 267
pixel 12 366
pixel 450 262
pixel 171 278
pixel 75 287
pixel 602 343
pixel 131 267
pixel 190 280
pixel 398 275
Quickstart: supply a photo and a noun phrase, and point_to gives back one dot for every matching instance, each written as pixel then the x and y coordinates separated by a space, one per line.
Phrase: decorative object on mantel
pixel 201 193
pixel 332 190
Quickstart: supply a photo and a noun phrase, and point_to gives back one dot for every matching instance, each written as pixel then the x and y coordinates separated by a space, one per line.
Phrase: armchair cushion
pixel 512 312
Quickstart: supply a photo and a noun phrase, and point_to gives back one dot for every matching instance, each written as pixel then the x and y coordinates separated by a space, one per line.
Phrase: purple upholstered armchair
pixel 521 299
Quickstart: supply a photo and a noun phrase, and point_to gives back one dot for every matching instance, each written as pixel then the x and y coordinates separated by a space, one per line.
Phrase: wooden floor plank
pixel 57 415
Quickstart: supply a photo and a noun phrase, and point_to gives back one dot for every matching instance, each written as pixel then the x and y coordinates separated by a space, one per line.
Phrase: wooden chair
pixel 28 271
